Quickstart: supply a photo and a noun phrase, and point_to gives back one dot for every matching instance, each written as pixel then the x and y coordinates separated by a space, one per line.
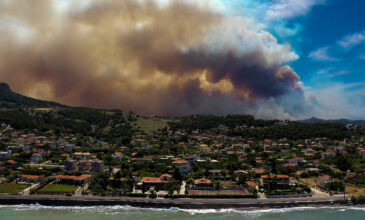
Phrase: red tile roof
pixel 31 177
pixel 12 162
pixel 180 162
pixel 152 180
pixel 202 182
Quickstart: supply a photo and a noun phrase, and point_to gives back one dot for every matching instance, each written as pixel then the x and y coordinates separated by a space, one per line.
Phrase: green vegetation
pixel 356 200
pixel 205 122
pixel 12 188
pixel 262 128
pixel 57 189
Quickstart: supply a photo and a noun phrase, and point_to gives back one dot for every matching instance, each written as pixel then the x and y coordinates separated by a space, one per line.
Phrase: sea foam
pixel 112 210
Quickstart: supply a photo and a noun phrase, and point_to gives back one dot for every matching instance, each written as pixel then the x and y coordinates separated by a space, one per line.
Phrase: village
pixel 174 164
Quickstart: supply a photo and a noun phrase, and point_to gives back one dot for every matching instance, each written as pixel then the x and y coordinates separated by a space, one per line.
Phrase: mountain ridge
pixel 9 98
pixel 339 121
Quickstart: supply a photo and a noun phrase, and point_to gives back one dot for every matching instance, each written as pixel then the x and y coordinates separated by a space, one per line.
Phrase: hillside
pixel 115 126
pixel 338 121
pixel 10 99
pixel 23 112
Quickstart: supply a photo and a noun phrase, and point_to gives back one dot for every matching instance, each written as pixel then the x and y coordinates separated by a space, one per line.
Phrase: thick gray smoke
pixel 173 57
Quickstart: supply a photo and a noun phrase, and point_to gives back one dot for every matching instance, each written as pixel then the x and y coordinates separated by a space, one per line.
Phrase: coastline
pixel 182 203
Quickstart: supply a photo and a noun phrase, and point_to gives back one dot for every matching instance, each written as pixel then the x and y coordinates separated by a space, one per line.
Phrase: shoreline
pixel 182 203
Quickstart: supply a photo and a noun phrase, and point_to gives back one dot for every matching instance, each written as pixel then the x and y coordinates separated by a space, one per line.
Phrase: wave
pixel 112 210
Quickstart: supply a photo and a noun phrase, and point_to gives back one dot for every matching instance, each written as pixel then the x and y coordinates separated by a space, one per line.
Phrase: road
pixel 188 203
pixel 26 192
pixel 81 189
pixel 182 189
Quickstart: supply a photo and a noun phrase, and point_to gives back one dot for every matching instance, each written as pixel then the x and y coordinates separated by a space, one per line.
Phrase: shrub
pixel 358 200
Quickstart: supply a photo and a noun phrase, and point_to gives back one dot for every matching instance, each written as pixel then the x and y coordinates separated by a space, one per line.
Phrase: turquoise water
pixel 124 212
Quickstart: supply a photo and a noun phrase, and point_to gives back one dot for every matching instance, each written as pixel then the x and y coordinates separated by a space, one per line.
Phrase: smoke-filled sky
pixel 272 59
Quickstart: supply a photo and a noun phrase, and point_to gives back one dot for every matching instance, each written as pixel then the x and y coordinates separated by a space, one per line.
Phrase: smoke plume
pixel 173 57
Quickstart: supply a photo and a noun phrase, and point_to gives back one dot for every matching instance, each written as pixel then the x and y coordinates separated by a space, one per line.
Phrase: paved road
pixel 182 189
pixel 26 192
pixel 79 190
pixel 164 203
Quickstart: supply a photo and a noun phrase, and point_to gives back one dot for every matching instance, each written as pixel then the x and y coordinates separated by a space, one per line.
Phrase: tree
pixel 274 167
pixel 217 185
pixel 153 194
pixel 176 175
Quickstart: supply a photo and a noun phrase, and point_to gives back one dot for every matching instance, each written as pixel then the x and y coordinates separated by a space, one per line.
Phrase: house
pixel 240 172
pixel 309 152
pixel 156 182
pixel 84 166
pixel 290 165
pixel 215 173
pixel 35 158
pixel 117 156
pixel 82 156
pixel 324 181
pixel 251 184
pixel 328 154
pixel 5 154
pixel 192 158
pixel 275 181
pixel 296 160
pixel 97 166
pixel 72 180
pixel 202 184
pixel 312 170
pixel 183 166
pixel 68 147
pixel 259 172
pixel 140 161
pixel 11 164
pixel 70 164
pixel 30 179
pixel 165 177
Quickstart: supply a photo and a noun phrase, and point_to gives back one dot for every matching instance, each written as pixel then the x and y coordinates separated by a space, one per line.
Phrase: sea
pixel 38 212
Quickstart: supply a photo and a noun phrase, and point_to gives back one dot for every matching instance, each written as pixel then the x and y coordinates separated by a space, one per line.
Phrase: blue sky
pixel 323 29
pixel 316 36
pixel 329 38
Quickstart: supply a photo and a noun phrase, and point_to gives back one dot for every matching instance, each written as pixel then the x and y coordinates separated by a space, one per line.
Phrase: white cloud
pixel 325 71
pixel 287 9
pixel 352 40
pixel 338 73
pixel 322 54
pixel 330 72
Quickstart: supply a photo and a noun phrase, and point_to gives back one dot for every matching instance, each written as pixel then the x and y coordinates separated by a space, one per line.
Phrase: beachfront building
pixel 30 179
pixel 183 166
pixel 156 182
pixel 72 180
pixel 202 184
pixel 273 182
